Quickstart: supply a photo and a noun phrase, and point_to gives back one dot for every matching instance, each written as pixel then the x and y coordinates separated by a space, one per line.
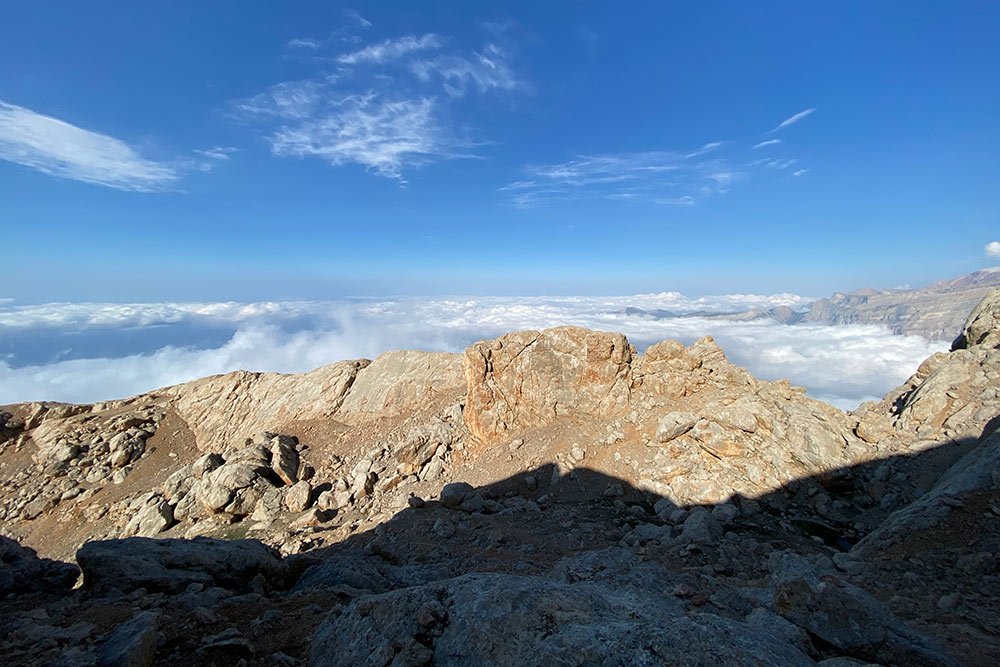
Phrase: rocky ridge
pixel 550 496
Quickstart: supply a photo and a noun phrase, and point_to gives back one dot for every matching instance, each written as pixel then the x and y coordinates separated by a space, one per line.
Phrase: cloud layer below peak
pixel 88 352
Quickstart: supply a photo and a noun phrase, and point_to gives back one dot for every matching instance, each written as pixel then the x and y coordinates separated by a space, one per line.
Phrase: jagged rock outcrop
pixel 982 329
pixel 530 378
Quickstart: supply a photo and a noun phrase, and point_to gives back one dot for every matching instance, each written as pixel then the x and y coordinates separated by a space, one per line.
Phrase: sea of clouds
pixel 84 352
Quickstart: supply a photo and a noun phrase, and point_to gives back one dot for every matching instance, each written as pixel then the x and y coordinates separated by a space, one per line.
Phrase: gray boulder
pixel 171 565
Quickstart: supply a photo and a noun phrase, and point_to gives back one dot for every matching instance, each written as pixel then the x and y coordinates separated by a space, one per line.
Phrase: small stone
pixel 415 502
pixel 949 602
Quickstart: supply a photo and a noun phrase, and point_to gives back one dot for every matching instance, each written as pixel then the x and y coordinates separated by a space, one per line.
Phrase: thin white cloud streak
pixel 59 149
pixel 800 172
pixel 992 249
pixel 845 364
pixel 791 120
pixel 487 70
pixel 220 153
pixel 660 177
pixel 391 49
pixel 360 20
pixel 769 142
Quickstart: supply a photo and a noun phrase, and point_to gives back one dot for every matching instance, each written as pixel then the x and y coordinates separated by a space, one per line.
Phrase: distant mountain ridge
pixel 936 311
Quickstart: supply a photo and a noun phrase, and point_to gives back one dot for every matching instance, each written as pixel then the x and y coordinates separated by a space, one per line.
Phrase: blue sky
pixel 251 150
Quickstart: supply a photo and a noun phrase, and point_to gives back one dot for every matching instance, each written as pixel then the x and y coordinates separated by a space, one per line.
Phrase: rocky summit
pixel 548 497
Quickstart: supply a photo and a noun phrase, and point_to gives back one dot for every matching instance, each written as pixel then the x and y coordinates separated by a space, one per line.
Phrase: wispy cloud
pixel 791 120
pixel 769 142
pixel 661 177
pixel 386 106
pixel 386 136
pixel 358 19
pixel 57 148
pixel 220 153
pixel 305 43
pixel 486 70
pixel 800 172
pixel 391 49
pixel 993 249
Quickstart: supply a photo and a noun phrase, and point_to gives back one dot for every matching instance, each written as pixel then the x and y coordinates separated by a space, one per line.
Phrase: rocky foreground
pixel 546 498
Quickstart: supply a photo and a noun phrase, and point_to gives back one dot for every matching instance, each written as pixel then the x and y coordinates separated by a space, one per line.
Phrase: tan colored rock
pixel 223 409
pixel 285 460
pixel 530 378
pixel 298 497
pixel 982 328
pixel 402 382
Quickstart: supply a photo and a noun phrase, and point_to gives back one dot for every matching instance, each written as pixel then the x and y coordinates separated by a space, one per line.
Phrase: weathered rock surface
pixel 173 565
pixel 492 619
pixel 228 408
pixel 530 377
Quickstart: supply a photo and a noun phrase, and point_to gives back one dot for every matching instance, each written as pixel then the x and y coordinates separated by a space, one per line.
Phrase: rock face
pixel 400 382
pixel 229 408
pixel 490 619
pixel 982 329
pixel 551 497
pixel 530 377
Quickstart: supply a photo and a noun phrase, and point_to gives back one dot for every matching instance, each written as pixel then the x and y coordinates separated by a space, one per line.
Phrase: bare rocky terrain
pixel 548 497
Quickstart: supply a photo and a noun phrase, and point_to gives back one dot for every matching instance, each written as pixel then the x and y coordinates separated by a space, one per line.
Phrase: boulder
pixel 298 497
pixel 171 565
pixel 453 494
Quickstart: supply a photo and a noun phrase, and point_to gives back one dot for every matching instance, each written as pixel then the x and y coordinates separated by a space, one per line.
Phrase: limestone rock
pixel 298 497
pixel 494 619
pixel 530 378
pixel 229 408
pixel 22 571
pixel 453 494
pixel 982 328
pixel 402 382
pixel 675 424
